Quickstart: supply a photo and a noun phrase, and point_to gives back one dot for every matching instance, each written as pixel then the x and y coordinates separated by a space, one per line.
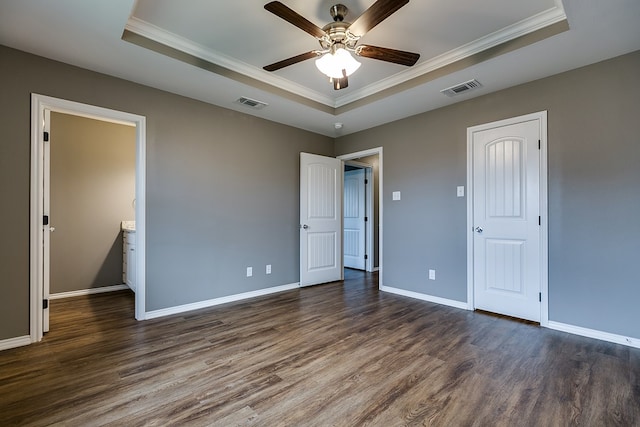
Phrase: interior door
pixel 47 228
pixel 506 219
pixel 354 219
pixel 320 219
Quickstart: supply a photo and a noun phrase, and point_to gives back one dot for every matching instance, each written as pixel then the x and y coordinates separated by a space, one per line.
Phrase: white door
pixel 320 219
pixel 47 228
pixel 506 219
pixel 354 219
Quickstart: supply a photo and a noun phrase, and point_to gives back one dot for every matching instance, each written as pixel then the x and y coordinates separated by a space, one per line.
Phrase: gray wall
pixel 594 202
pixel 222 187
pixel 93 166
pixel 217 201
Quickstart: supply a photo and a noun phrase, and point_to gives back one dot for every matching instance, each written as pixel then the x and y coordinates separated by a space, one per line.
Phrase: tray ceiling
pixel 243 37
pixel 214 50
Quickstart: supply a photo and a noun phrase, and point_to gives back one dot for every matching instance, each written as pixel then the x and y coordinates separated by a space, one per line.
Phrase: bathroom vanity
pixel 129 254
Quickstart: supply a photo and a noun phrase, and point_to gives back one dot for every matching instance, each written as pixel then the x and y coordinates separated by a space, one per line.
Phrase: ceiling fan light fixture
pixel 331 64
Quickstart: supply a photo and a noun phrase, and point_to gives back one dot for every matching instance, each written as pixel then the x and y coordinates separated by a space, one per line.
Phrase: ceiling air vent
pixel 256 105
pixel 461 88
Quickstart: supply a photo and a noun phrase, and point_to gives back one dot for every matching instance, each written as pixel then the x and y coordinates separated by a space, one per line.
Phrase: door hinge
pixel 539 296
pixel 45 304
pixel 366 256
pixel 538 144
pixel 366 219
pixel 45 220
pixel 366 181
pixel 46 136
pixel 539 220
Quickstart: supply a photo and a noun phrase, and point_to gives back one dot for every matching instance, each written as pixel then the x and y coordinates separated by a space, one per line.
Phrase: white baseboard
pixel 425 297
pixel 90 291
pixel 593 333
pixel 217 301
pixel 15 342
pixel 576 330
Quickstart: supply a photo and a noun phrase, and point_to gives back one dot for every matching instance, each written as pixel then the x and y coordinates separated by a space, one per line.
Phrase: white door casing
pixel 507 263
pixel 41 105
pixel 320 219
pixel 372 213
pixel 47 229
pixel 354 219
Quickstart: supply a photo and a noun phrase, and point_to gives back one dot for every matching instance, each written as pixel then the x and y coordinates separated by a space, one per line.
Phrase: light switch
pixel 395 195
pixel 249 271
pixel 460 191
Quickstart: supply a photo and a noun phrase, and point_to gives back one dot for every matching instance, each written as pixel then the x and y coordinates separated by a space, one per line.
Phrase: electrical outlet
pixel 432 275
pixel 268 269
pixel 249 271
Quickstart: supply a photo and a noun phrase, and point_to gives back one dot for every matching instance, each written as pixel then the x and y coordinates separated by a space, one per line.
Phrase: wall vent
pixel 256 105
pixel 461 88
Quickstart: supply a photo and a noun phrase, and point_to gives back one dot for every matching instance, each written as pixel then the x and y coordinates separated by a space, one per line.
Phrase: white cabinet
pixel 129 259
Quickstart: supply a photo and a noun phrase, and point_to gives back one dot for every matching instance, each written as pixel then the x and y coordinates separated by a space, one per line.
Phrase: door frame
pixel 40 104
pixel 541 116
pixel 369 213
pixel 357 155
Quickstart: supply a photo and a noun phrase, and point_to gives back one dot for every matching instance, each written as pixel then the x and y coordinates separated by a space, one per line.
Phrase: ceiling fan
pixel 339 37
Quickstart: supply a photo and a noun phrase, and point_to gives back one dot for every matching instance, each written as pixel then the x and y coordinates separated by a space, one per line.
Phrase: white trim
pixel 40 103
pixel 593 333
pixel 544 227
pixel 424 297
pixel 541 116
pixel 217 301
pixel 91 291
pixel 369 212
pixel 15 342
pixel 365 153
pixel 167 38
pixel 370 206
pixel 528 25
pixel 469 229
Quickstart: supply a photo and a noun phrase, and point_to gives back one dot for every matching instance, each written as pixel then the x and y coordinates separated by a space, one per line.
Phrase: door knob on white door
pixel 304 226
pixel 52 229
pixel 479 229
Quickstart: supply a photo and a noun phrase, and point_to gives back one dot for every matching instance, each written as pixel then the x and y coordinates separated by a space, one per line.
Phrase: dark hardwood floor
pixel 341 354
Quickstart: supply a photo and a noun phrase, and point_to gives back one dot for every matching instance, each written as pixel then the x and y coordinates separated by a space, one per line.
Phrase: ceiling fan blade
pixel 377 13
pixel 290 61
pixel 294 18
pixel 389 55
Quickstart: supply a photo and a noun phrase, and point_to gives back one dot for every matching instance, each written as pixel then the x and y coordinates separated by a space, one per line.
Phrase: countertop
pixel 128 226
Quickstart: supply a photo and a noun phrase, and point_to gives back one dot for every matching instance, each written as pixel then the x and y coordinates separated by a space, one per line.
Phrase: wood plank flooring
pixel 341 354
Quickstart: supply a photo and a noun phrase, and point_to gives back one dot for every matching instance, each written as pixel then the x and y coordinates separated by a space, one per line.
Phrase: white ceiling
pixel 242 37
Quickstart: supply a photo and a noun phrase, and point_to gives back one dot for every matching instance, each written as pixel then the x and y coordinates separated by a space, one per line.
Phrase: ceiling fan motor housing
pixel 338 12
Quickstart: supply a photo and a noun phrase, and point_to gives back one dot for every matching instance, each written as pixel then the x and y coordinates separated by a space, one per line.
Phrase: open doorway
pixel 369 161
pixel 358 215
pixel 42 109
pixel 91 187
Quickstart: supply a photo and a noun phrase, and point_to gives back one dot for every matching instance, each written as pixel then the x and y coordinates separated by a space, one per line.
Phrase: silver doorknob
pixel 479 229
pixel 305 226
pixel 52 229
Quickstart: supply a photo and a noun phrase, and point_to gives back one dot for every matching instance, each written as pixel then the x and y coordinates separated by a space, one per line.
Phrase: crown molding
pixel 157 34
pixel 524 27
